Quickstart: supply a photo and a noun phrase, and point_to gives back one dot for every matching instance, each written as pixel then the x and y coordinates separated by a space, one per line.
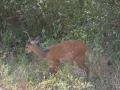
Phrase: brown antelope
pixel 67 50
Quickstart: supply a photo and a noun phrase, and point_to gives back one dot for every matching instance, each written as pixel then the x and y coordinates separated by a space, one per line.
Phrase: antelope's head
pixel 32 45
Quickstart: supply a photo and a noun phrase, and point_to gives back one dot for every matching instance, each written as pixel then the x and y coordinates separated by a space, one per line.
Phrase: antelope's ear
pixel 37 39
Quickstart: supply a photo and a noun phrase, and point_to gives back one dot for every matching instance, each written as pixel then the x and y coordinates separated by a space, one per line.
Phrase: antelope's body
pixel 64 51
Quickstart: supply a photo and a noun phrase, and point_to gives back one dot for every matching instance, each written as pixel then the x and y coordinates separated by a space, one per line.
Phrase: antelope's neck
pixel 40 52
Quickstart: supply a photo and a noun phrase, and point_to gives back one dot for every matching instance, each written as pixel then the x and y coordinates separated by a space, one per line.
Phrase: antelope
pixel 68 50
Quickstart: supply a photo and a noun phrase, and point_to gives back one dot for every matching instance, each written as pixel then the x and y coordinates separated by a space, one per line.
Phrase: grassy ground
pixel 21 72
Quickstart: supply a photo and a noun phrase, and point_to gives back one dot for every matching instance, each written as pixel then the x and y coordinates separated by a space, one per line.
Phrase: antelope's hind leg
pixel 80 61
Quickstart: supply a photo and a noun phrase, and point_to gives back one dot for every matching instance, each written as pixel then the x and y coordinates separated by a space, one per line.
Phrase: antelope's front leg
pixel 53 69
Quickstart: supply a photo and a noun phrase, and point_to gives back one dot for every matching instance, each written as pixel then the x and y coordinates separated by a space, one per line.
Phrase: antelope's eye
pixel 26 47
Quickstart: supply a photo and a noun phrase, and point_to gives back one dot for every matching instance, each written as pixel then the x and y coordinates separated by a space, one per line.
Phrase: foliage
pixel 30 76
pixel 95 22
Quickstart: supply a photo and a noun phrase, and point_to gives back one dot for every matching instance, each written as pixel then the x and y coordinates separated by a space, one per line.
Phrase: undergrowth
pixel 22 72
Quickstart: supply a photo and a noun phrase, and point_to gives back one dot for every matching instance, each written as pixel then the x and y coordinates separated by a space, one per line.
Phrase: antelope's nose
pixel 26 51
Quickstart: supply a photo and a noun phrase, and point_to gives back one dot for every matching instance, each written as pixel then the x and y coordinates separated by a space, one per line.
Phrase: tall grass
pixel 22 72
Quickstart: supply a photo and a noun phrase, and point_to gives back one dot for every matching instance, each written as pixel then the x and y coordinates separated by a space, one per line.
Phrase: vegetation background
pixel 95 22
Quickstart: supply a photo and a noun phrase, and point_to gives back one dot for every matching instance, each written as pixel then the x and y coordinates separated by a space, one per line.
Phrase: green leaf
pixel 45 5
pixel 81 2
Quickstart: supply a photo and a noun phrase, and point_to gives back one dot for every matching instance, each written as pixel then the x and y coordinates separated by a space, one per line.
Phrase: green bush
pixel 95 22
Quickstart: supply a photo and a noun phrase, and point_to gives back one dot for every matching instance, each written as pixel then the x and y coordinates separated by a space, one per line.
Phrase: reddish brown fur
pixel 67 50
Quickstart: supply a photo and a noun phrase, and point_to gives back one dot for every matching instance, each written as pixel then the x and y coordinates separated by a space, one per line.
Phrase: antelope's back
pixel 67 50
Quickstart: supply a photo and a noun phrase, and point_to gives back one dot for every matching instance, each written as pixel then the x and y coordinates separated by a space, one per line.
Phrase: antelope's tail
pixel 87 48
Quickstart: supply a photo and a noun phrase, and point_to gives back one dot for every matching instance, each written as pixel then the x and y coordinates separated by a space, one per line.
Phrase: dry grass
pixel 104 76
pixel 25 75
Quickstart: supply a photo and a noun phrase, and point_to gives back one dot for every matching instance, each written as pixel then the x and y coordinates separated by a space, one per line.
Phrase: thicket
pixel 95 22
